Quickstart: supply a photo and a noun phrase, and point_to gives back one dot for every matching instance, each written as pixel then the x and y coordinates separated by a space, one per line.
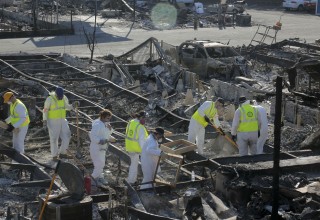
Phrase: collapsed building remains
pixel 216 185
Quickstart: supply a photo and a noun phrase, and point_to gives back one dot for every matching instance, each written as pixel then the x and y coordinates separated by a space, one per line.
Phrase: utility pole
pixel 276 153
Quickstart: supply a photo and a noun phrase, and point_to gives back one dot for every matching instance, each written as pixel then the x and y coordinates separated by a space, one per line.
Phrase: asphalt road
pixel 115 37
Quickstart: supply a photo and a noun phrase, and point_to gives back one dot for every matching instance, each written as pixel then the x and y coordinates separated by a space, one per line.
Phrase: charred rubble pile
pixel 216 185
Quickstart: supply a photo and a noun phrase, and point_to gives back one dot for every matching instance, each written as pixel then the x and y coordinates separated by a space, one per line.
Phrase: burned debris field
pixel 189 184
pixel 168 84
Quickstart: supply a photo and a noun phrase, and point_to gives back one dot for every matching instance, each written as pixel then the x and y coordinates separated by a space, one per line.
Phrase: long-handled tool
pixel 225 136
pixel 49 190
pixel 78 153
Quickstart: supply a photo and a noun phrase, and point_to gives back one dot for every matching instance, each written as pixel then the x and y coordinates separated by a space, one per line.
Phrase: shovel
pixel 49 190
pixel 225 136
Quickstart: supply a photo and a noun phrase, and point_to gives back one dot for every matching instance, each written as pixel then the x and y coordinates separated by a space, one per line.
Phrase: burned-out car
pixel 212 59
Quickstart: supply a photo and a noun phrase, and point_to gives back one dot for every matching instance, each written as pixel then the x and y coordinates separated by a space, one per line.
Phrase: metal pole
pixel 276 153
pixel 57 11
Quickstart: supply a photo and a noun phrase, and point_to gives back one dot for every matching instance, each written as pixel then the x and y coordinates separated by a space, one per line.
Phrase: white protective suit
pixel 196 131
pixel 149 160
pixel 134 157
pixel 245 140
pixel 57 128
pixel 18 135
pixel 98 132
pixel 263 127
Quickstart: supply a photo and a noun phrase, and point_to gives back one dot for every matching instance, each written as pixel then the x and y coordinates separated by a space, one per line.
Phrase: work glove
pixel 16 130
pixel 103 141
pixel 10 127
pixel 234 138
pixel 75 104
pixel 221 131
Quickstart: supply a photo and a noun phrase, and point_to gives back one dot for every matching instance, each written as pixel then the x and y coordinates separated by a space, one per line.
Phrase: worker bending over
pixel 150 157
pixel 206 113
pixel 18 121
pixel 136 135
pixel 54 118
pixel 100 135
pixel 245 127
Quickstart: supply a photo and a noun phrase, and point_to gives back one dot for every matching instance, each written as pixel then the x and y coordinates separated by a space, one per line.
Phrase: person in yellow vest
pixel 18 121
pixel 136 135
pixel 54 118
pixel 245 127
pixel 206 113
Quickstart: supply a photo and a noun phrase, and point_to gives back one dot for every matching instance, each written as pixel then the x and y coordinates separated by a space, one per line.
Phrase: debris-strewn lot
pixel 169 82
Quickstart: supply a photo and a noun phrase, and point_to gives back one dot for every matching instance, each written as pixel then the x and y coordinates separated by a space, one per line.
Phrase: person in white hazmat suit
pixel 206 113
pixel 100 135
pixel 136 135
pixel 263 126
pixel 150 157
pixel 18 121
pixel 54 118
pixel 245 127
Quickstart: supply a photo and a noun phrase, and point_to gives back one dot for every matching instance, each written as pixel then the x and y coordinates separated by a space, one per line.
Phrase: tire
pixel 300 8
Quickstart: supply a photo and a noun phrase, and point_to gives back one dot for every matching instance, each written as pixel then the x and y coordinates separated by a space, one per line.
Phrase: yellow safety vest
pixel 248 118
pixel 14 117
pixel 57 108
pixel 209 112
pixel 132 136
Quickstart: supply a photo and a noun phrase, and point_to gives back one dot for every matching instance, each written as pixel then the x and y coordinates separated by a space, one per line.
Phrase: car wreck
pixel 211 59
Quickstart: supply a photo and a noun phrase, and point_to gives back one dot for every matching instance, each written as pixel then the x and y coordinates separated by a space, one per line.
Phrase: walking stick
pixel 225 136
pixel 48 194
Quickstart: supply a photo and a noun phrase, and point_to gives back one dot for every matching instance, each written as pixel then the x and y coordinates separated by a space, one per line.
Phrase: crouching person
pixel 99 135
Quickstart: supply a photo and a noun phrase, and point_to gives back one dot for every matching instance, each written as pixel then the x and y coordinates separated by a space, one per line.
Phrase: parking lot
pixel 116 37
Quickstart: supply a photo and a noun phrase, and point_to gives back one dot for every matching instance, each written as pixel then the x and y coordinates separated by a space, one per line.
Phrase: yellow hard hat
pixel 7 96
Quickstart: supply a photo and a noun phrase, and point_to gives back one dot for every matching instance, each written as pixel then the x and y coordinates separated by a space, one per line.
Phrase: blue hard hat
pixel 59 92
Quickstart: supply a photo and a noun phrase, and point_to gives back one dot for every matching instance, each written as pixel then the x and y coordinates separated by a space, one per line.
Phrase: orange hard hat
pixel 7 96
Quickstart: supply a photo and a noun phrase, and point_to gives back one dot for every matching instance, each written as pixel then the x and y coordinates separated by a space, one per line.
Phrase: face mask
pixel 9 103
pixel 160 140
pixel 142 121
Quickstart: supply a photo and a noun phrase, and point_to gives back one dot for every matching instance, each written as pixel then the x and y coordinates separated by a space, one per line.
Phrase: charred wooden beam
pixel 250 159
pixel 143 215
pixel 36 183
pixel 274 60
pixel 307 164
pixel 29 167
pixel 296 44
pixel 38 173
